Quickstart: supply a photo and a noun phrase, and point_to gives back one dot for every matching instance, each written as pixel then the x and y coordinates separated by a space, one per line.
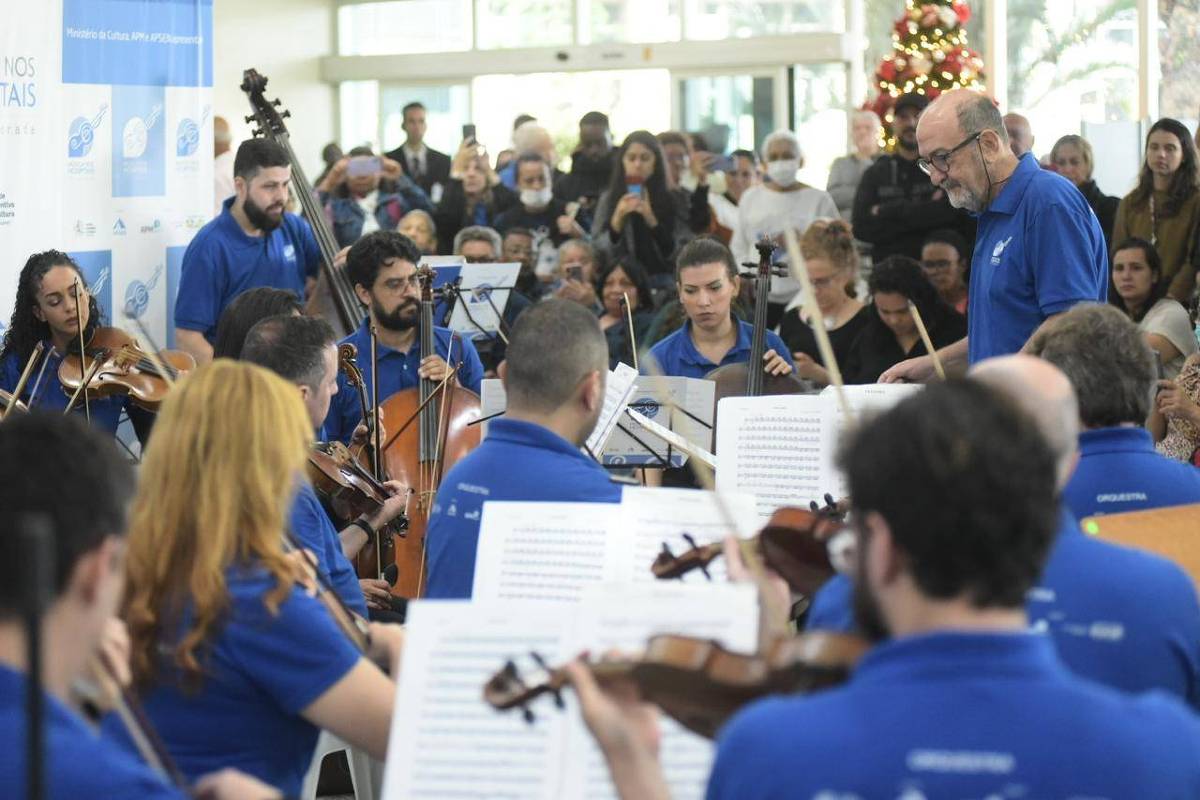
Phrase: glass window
pixel 502 24
pixel 404 26
pixel 359 112
pixel 1179 54
pixel 732 111
pixel 631 21
pixel 447 109
pixel 1071 62
pixel 632 99
pixel 739 19
pixel 821 122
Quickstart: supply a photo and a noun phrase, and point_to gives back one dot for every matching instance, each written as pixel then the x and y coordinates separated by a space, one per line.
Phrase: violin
pixel 695 681
pixel 114 363
pixel 794 543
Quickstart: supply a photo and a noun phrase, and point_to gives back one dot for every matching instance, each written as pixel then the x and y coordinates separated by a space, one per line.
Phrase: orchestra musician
pixel 236 663
pixel 39 455
pixel 383 268
pixel 953 495
pixel 49 311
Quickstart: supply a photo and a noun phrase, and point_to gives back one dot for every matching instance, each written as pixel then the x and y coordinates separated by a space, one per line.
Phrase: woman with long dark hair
pixel 640 215
pixel 49 309
pixel 1136 286
pixel 1164 208
pixel 618 281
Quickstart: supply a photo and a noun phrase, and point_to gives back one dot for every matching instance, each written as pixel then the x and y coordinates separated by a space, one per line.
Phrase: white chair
pixel 363 775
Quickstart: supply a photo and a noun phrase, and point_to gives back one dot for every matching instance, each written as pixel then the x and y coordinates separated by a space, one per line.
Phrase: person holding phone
pixel 364 193
pixel 473 194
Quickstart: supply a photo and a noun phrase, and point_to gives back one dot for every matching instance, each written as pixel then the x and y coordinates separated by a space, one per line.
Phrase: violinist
pixel 40 453
pixel 707 280
pixel 49 311
pixel 554 379
pixel 383 268
pixel 235 662
pixel 253 242
pixel 954 496
pixel 302 350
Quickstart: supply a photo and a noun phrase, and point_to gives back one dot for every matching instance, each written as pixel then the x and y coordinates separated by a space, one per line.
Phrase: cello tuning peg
pixel 529 716
pixel 286 113
pixel 666 551
pixel 558 699
pixel 705 572
pixel 249 118
pixel 829 501
pixel 256 132
pixel 276 102
pixel 691 540
pixel 813 506
pixel 537 659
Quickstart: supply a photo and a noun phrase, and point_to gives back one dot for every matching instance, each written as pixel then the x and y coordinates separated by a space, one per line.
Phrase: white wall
pixel 283 40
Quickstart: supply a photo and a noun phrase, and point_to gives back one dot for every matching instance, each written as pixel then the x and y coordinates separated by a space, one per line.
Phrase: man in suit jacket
pixel 424 165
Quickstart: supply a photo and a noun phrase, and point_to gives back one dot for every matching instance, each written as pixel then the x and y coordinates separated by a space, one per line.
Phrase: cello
pixel 432 431
pixel 333 298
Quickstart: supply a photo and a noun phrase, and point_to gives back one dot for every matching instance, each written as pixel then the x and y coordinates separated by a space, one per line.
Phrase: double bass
pixel 429 429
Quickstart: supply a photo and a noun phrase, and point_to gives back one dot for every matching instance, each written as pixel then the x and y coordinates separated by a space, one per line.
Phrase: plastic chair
pixel 363 775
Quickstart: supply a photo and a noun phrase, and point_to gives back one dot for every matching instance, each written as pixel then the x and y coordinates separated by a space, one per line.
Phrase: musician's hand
pixel 1173 403
pixel 359 437
pixel 434 368
pixel 912 370
pixel 339 260
pixel 387 643
pixel 623 723
pixel 376 592
pixel 229 784
pixel 775 364
pixel 392 507
pixel 809 369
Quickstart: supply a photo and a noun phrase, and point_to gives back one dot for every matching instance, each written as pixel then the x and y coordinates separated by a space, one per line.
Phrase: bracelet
pixel 366 528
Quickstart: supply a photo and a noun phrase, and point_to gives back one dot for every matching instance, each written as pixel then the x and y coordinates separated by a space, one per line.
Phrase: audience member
pixel 478 244
pixel 425 166
pixel 780 203
pixel 1175 423
pixel 741 175
pixel 540 212
pixel 575 275
pixel 1164 208
pixel 223 187
pixel 530 137
pixel 245 312
pixel 520 246
pixel 1137 287
pixel 897 204
pixel 891 335
pixel 689 169
pixel 944 257
pixel 481 245
pixel 419 226
pixel 363 194
pixel 1020 133
pixel 846 171
pixel 621 283
pixel 330 155
pixel 591 165
pixel 1072 158
pixel 473 195
pixel 828 250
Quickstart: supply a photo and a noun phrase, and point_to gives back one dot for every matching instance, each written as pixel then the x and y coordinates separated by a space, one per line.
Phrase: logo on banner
pixel 138 153
pixel 96 266
pixel 119 227
pixel 137 294
pixel 136 135
pixel 82 133
pixel 187 135
pixel 647 406
pixel 153 227
pixel 84 228
pixel 481 293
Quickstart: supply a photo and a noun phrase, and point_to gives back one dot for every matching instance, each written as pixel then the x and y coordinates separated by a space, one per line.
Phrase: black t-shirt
pixel 799 338
pixel 876 347
pixel 545 220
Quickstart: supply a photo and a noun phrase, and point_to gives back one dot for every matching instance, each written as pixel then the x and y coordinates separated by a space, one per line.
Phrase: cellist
pixel 382 266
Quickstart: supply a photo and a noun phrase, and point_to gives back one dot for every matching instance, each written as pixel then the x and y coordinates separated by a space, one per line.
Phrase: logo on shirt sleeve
pixel 998 250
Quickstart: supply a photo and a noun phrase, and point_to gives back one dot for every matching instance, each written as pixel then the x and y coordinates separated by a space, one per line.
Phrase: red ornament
pixel 962 10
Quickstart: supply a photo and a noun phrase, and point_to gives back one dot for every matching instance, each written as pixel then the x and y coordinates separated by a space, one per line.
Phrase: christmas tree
pixel 930 56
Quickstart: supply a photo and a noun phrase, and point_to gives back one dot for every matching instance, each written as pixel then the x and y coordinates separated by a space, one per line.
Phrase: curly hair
pixel 369 253
pixel 24 329
pixel 832 240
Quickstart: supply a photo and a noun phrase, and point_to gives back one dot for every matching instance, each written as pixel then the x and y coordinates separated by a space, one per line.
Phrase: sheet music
pixel 690 395
pixel 772 447
pixel 618 389
pixel 492 401
pixel 479 282
pixel 661 516
pixel 547 551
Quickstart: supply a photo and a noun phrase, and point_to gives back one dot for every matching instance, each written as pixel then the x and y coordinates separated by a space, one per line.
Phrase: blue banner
pixel 138 149
pixel 97 275
pixel 137 42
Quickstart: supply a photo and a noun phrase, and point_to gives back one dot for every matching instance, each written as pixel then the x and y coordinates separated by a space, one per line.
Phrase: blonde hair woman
pixel 237 665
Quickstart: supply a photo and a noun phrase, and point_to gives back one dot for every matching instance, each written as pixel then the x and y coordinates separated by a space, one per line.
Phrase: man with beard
pixel 953 494
pixel 554 379
pixel 1039 250
pixel 382 266
pixel 252 242
pixel 896 205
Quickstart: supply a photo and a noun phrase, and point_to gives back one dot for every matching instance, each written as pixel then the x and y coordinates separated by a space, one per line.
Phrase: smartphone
pixel 364 165
pixel 468 132
pixel 633 188
pixel 575 273
pixel 1159 372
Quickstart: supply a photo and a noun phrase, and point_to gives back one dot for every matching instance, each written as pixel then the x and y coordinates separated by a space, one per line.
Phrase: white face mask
pixel 783 172
pixel 536 198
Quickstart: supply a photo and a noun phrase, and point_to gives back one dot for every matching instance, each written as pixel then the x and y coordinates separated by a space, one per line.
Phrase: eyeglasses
pixel 401 284
pixel 941 159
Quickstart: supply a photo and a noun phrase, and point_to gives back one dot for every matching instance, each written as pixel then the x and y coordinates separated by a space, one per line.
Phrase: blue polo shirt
pixel 677 354
pixel 1119 470
pixel 956 715
pixel 397 371
pixel 1119 616
pixel 79 762
pixel 222 261
pixel 105 411
pixel 311 526
pixel 1039 250
pixel 517 461
pixel 260 671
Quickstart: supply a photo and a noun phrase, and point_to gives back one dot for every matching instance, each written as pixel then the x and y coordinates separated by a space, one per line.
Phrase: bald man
pixel 1020 133
pixel 1039 248
pixel 223 154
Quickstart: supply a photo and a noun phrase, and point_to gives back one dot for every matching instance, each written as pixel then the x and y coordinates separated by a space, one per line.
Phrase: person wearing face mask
pixel 1072 158
pixel 846 172
pixel 540 212
pixel 1164 208
pixel 473 196
pixel 767 210
pixel 363 194
pixel 896 204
